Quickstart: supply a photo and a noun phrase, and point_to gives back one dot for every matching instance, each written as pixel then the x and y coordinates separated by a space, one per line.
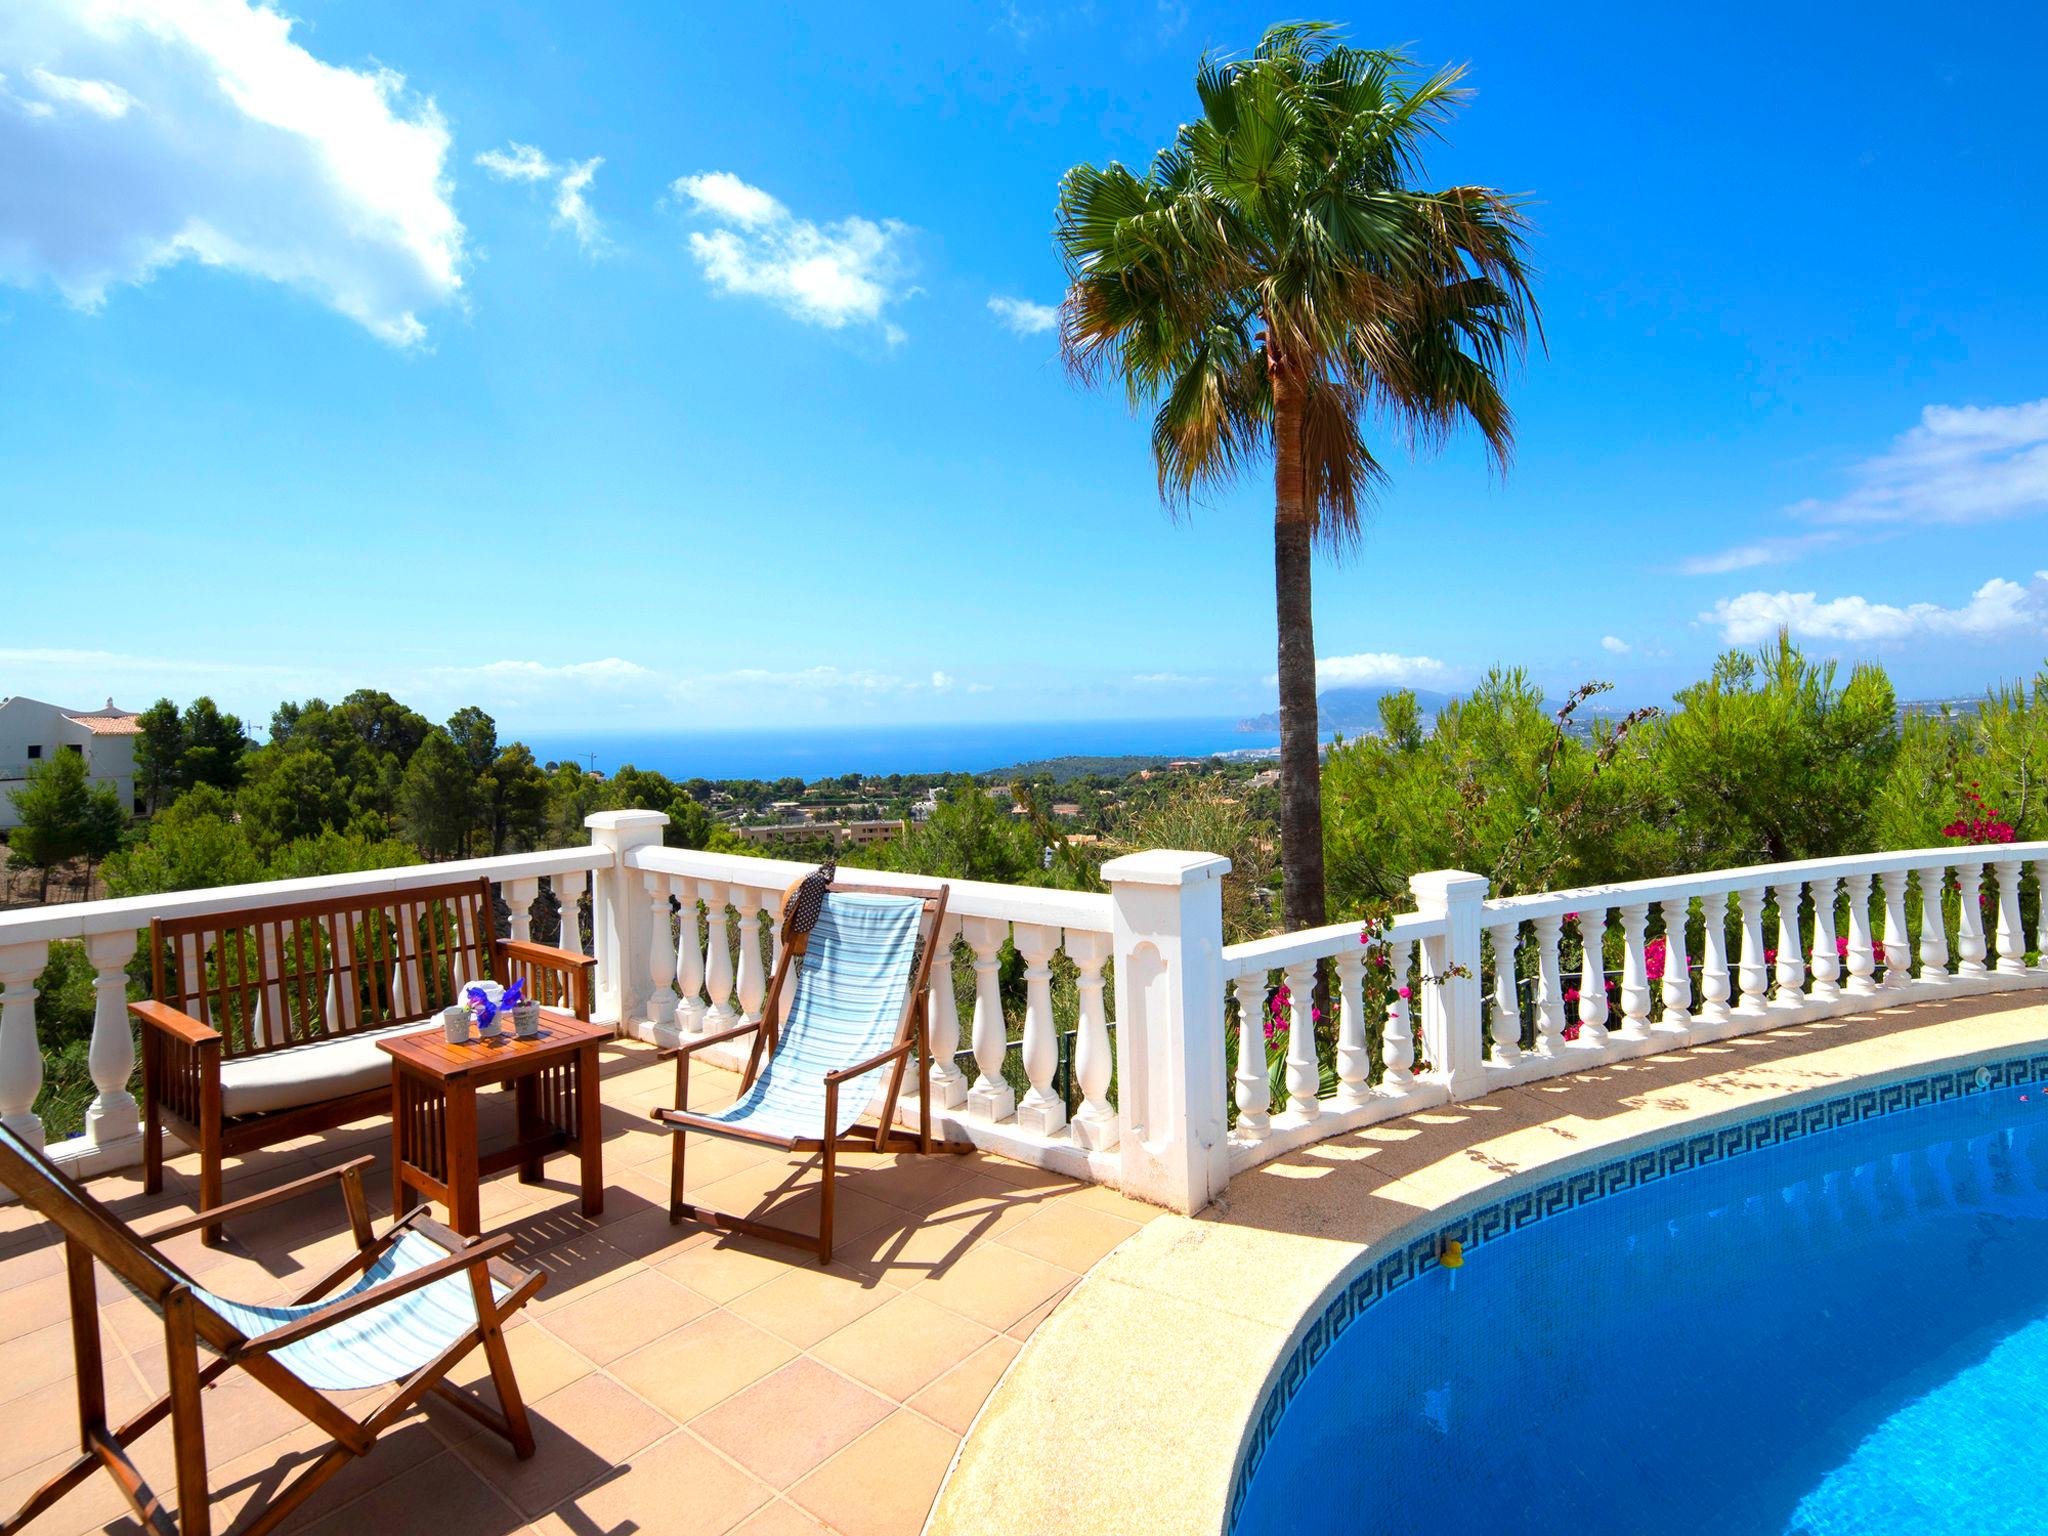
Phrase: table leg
pixel 527 1123
pixel 463 1213
pixel 590 1130
pixel 401 1147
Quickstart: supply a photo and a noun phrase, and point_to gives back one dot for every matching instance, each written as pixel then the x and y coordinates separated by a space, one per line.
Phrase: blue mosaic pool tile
pixel 1524 1207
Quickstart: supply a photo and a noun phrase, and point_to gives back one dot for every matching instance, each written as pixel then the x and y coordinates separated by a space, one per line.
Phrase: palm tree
pixel 1272 283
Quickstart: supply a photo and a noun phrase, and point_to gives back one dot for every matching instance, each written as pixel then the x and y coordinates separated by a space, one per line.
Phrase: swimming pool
pixel 1831 1321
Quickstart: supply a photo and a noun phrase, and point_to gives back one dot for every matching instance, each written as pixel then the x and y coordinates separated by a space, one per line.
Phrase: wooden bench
pixel 264 1022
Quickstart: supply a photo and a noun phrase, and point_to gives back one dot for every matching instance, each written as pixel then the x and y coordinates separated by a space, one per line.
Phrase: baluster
pixel 753 982
pixel 21 1058
pixel 1398 1050
pixel 689 961
pixel 1751 975
pixel 1970 947
pixel 1304 1074
pixel 111 1056
pixel 1897 939
pixel 1549 989
pixel 2012 943
pixel 1862 958
pixel 1354 1066
pixel 569 892
pixel 661 962
pixel 2041 914
pixel 717 960
pixel 1094 1127
pixel 1791 961
pixel 949 1083
pixel 519 896
pixel 1635 980
pixel 1505 1020
pixel 1040 1111
pixel 1676 983
pixel 991 1098
pixel 1254 1088
pixel 1933 927
pixel 1593 1010
pixel 1827 963
pixel 1714 988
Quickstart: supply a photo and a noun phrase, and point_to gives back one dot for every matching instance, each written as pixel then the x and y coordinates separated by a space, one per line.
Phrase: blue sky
pixel 634 366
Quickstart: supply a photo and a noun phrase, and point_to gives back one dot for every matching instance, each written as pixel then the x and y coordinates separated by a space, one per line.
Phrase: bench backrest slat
pixel 271 977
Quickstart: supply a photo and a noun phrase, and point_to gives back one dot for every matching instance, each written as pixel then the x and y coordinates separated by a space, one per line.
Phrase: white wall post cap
pixel 1165 866
pixel 1448 885
pixel 620 821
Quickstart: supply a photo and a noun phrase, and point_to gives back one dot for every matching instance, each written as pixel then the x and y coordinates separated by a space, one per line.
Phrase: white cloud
pixel 941 681
pixel 140 133
pixel 1170 680
pixel 1378 667
pixel 1997 608
pixel 1770 551
pixel 832 275
pixel 524 162
pixel 1614 645
pixel 1961 464
pixel 1022 316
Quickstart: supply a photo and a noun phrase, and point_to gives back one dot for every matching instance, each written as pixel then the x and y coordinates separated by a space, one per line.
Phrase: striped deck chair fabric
pixel 850 992
pixel 384 1344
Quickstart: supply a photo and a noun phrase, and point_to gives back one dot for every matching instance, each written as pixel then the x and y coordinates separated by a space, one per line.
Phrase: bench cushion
pixel 308 1074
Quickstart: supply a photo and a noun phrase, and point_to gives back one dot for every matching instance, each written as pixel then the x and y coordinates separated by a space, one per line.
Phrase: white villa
pixel 32 731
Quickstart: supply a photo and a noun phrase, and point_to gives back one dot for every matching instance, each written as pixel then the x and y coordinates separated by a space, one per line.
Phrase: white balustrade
pixel 1897 938
pixel 1635 983
pixel 1593 1010
pixel 1397 1050
pixel 752 984
pixel 1862 961
pixel 1827 963
pixel 1354 1065
pixel 661 955
pixel 991 1098
pixel 2041 914
pixel 1504 1018
pixel 1791 966
pixel 1094 1127
pixel 1550 1041
pixel 1970 947
pixel 519 899
pixel 1933 927
pixel 110 1058
pixel 948 1082
pixel 1304 1074
pixel 2012 943
pixel 1254 1089
pixel 1676 983
pixel 719 1016
pixel 689 960
pixel 1040 1112
pixel 1752 975
pixel 569 887
pixel 21 1059
pixel 1714 989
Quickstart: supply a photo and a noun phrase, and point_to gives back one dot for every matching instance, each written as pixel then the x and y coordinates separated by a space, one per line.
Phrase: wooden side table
pixel 434 1147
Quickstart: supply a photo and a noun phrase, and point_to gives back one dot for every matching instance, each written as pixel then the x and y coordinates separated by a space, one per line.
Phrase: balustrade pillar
pixel 1041 1111
pixel 991 1098
pixel 1970 947
pixel 2012 943
pixel 1397 1051
pixel 1714 988
pixel 661 962
pixel 1752 975
pixel 1676 983
pixel 1635 983
pixel 1354 1065
pixel 110 1058
pixel 1593 1009
pixel 717 960
pixel 1827 963
pixel 1304 1073
pixel 1933 927
pixel 752 985
pixel 21 1058
pixel 1253 1088
pixel 689 961
pixel 948 1082
pixel 519 895
pixel 1550 1040
pixel 1897 938
pixel 2041 914
pixel 1862 960
pixel 1504 1022
pixel 1094 1127
pixel 568 887
pixel 1791 967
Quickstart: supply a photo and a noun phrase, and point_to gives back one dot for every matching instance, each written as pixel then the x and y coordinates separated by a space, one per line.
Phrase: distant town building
pixel 1065 808
pixel 32 732
pixel 1265 778
pixel 856 834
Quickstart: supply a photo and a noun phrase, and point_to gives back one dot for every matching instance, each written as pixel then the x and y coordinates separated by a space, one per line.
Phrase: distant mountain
pixel 1350 709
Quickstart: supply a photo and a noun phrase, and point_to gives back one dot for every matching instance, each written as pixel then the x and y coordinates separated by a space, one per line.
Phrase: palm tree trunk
pixel 1301 785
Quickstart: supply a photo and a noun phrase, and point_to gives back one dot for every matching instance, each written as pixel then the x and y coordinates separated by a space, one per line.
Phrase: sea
pixel 825 752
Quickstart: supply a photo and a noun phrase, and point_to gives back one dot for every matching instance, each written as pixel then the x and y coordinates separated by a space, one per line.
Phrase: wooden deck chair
pixel 411 1304
pixel 861 983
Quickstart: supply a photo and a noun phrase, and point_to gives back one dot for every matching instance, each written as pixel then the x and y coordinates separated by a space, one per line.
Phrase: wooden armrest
pixel 351 1171
pixel 869 1065
pixel 162 1016
pixel 377 1295
pixel 692 1047
pixel 545 955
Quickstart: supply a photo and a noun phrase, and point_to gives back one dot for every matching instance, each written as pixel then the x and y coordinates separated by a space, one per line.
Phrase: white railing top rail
pixel 1751 877
pixel 1083 911
pixel 76 920
pixel 1287 949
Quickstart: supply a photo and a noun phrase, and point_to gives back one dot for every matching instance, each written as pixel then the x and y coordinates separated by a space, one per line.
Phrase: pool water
pixel 1843 1334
